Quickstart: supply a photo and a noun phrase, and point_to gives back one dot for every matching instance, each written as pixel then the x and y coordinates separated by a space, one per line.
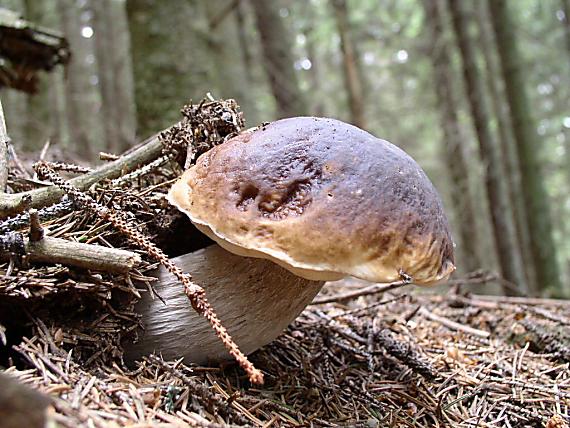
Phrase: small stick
pixel 522 300
pixel 452 324
pixel 17 162
pixel 36 230
pixel 86 256
pixel 108 156
pixel 22 220
pixel 371 289
pixel 62 166
pixel 405 353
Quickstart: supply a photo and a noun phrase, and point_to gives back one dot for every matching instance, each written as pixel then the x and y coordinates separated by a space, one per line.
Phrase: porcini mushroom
pixel 305 200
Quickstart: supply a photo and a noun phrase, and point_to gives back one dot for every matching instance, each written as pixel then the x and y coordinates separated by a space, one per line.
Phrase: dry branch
pixel 22 220
pixel 86 256
pixel 55 250
pixel 13 203
pixel 367 291
pixel 453 325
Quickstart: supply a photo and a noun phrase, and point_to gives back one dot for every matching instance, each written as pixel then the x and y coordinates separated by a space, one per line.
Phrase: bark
pixel 15 104
pixel 353 82
pixel 223 48
pixel 316 101
pixel 495 91
pixel 565 7
pixel 539 223
pixel 455 159
pixel 58 116
pixel 15 112
pixel 315 76
pixel 501 215
pixel 276 44
pixel 55 82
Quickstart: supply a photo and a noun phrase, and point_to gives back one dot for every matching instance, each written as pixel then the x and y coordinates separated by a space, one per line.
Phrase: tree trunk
pixel 316 101
pixel 104 46
pixel 15 103
pixel 112 43
pixel 535 198
pixel 453 153
pixel 565 7
pixel 243 40
pixel 59 125
pixel 352 78
pixel 495 91
pixel 38 112
pixel 77 85
pixel 276 44
pixel 123 83
pixel 501 215
pixel 228 76
pixel 163 52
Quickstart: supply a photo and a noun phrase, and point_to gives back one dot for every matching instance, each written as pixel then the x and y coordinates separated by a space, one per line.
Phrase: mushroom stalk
pixel 254 298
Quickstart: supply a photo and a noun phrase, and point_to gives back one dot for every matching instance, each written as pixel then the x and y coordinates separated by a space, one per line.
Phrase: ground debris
pixel 322 371
pixel 391 359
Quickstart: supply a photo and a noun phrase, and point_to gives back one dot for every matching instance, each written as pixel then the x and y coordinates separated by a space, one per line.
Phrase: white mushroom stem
pixel 255 299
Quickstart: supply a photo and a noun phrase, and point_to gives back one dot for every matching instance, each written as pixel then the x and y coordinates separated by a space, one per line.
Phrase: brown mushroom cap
pixel 322 198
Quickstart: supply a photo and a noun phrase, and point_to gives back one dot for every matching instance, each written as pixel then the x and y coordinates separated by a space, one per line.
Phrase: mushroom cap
pixel 323 199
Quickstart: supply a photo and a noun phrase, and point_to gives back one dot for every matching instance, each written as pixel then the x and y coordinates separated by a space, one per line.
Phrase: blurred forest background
pixel 476 91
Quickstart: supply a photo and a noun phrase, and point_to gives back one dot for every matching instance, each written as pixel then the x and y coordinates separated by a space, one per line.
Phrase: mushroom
pixel 292 204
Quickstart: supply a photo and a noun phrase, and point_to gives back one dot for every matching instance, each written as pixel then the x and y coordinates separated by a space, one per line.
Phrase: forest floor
pixel 398 359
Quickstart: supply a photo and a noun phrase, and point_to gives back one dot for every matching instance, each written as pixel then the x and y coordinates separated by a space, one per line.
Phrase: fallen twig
pixel 521 300
pixel 86 256
pixel 13 203
pixel 452 324
pixel 22 220
pixel 371 289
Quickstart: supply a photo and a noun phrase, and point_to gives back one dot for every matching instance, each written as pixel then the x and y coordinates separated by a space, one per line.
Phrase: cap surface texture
pixel 322 198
